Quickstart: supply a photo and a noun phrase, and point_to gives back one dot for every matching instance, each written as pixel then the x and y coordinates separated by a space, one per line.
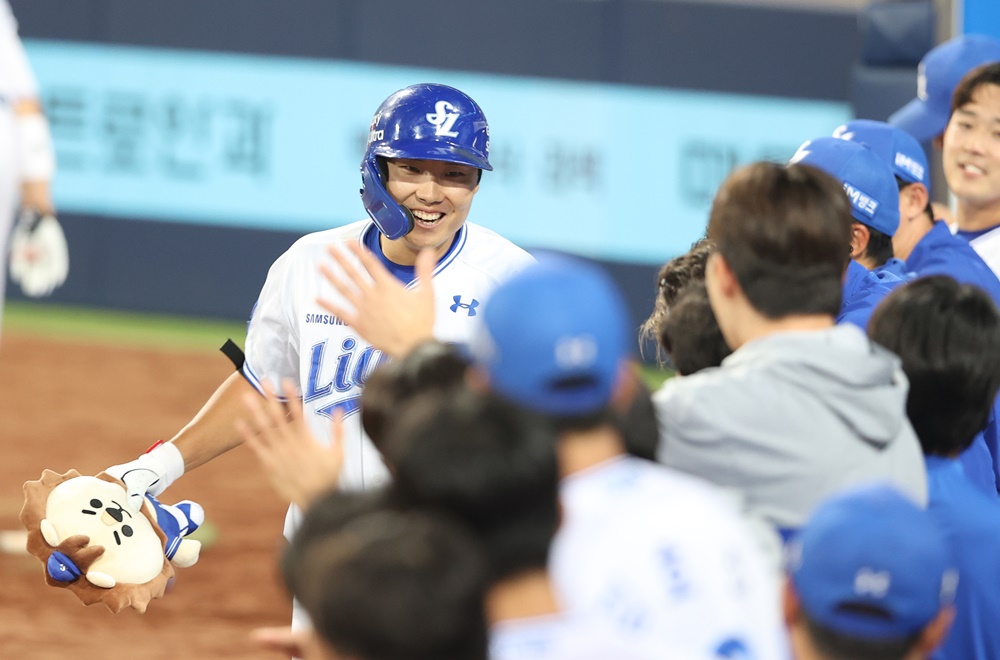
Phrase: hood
pixel 859 381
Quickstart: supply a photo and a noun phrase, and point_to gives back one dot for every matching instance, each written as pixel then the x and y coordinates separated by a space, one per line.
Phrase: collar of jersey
pixel 405 274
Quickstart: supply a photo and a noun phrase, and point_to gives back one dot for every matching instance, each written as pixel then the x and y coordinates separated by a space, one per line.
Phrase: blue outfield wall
pixel 191 155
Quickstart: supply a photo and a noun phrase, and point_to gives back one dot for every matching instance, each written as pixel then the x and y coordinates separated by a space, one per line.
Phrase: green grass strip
pixel 143 330
pixel 134 329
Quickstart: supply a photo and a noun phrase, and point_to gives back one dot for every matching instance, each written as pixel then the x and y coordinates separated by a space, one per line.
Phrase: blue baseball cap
pixel 869 183
pixel 897 148
pixel 553 337
pixel 938 74
pixel 870 564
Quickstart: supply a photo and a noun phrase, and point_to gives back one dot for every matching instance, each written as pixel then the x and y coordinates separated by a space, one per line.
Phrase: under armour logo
pixel 443 118
pixel 471 307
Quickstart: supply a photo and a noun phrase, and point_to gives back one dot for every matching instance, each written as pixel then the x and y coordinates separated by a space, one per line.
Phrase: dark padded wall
pixel 214 271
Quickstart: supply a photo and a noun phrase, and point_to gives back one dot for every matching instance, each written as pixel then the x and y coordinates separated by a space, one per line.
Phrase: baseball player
pixel 874 198
pixel 947 336
pixel 39 260
pixel 971 160
pixel 427 148
pixel 926 116
pixel 929 248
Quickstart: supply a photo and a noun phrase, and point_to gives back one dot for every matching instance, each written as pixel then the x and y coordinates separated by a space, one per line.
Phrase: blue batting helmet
pixel 422 122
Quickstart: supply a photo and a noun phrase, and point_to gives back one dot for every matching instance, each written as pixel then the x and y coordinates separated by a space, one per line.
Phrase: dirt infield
pixel 83 405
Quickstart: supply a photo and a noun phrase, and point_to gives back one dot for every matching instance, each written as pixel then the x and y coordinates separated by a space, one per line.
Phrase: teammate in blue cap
pixel 929 248
pixel 874 199
pixel 948 337
pixel 926 116
pixel 427 147
pixel 869 576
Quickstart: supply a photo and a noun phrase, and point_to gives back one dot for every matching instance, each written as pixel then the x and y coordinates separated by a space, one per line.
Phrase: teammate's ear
pixel 722 275
pixel 625 388
pixel 477 380
pixel 791 607
pixel 935 632
pixel 860 235
pixel 913 201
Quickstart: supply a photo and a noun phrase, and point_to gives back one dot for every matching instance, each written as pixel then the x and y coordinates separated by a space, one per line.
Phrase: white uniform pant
pixel 9 179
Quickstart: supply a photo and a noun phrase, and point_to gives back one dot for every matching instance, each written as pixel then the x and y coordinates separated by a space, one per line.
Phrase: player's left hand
pixel 39 258
pixel 387 314
pixel 297 465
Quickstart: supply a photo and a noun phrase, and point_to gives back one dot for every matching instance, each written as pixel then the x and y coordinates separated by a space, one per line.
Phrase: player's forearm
pixel 212 432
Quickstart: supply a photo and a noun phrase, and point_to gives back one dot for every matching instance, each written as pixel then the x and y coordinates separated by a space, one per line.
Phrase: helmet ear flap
pixel 393 220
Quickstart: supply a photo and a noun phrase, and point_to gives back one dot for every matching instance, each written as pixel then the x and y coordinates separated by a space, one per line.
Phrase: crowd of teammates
pixel 476 471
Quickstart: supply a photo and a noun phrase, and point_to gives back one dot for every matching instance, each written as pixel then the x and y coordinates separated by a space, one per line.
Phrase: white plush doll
pixel 92 544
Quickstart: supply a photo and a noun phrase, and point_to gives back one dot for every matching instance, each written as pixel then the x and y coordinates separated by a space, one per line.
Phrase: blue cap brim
pixel 920 120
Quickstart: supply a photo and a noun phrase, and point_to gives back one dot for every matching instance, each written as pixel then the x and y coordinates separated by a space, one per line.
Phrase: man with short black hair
pixel 477 459
pixel 869 578
pixel 380 584
pixel 948 337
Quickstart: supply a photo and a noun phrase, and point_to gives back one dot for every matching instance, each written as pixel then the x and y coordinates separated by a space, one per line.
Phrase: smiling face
pixel 971 152
pixel 439 194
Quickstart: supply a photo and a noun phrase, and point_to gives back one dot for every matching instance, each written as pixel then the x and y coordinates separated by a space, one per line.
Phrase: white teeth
pixel 972 169
pixel 425 216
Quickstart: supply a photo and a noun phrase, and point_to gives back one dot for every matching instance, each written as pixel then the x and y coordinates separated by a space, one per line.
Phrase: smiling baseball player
pixel 428 145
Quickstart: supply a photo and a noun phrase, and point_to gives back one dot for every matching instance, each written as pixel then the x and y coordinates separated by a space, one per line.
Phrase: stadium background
pixel 197 140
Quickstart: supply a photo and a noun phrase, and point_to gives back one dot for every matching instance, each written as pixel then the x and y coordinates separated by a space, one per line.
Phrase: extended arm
pixel 211 433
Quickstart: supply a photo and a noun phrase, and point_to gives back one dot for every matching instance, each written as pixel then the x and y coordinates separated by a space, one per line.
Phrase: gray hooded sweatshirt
pixel 791 418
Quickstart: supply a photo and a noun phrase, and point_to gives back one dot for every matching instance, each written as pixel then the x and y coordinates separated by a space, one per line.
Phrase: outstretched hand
pixel 297 465
pixel 389 315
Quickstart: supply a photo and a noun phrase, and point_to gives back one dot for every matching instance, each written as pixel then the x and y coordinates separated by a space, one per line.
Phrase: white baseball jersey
pixel 291 337
pixel 663 561
pixel 560 637
pixel 987 246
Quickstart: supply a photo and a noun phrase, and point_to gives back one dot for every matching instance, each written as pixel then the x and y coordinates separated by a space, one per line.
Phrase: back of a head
pixel 387 585
pixel 481 460
pixel 673 277
pixel 554 338
pixel 899 150
pixel 690 333
pixel 870 570
pixel 948 338
pixel 785 233
pixel 870 185
pixel 431 367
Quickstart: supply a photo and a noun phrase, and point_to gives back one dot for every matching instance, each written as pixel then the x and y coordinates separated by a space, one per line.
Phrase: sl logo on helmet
pixel 443 118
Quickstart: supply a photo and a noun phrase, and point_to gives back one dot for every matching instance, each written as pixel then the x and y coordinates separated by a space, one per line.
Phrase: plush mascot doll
pixel 91 544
